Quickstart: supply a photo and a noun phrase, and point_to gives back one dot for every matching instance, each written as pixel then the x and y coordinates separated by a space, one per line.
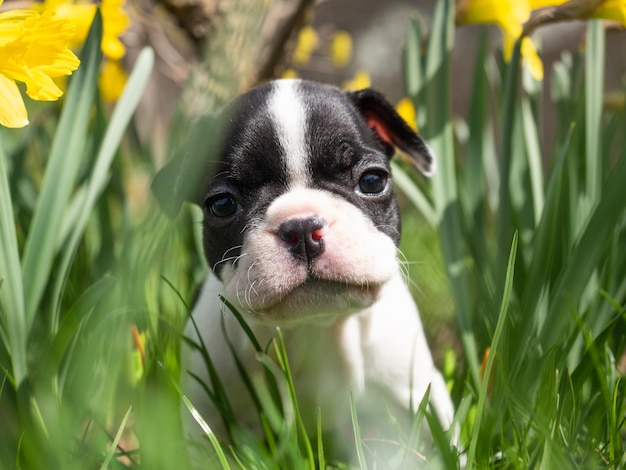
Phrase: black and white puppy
pixel 301 230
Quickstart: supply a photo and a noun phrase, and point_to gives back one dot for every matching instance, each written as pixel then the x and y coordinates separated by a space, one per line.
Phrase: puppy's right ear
pixel 184 177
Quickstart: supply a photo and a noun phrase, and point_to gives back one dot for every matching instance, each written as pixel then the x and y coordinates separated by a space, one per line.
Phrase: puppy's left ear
pixel 392 130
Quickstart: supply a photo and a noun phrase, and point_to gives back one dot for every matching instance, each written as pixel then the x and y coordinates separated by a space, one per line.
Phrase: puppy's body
pixel 379 354
pixel 301 230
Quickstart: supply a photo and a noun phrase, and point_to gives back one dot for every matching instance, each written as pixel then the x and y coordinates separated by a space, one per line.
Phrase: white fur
pixel 366 339
pixel 267 282
pixel 379 351
pixel 289 115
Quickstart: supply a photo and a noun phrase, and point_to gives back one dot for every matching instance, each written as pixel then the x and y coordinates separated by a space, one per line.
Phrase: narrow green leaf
pixel 504 219
pixel 281 351
pixel 412 191
pixel 413 59
pixel 587 254
pixel 594 90
pixel 357 436
pixel 535 160
pixel 438 132
pixel 111 452
pixel 204 426
pixel 66 155
pixel 126 106
pixel 321 457
pixel 495 342
pixel 13 330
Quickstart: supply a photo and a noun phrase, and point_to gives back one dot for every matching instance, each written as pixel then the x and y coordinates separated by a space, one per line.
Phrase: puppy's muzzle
pixel 304 236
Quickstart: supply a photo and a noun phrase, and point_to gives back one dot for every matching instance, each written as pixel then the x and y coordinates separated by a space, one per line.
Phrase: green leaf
pixel 13 330
pixel 113 447
pixel 504 220
pixel 586 255
pixel 495 343
pixel 413 192
pixel 120 118
pixel 438 132
pixel 594 90
pixel 66 155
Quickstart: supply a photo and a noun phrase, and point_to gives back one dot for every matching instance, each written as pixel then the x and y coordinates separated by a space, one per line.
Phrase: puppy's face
pixel 300 220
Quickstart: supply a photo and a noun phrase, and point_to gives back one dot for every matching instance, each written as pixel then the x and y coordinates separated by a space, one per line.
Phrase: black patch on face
pixel 250 170
pixel 342 149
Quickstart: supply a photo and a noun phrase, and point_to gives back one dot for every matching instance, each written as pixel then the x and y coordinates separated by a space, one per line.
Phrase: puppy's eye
pixel 222 205
pixel 373 182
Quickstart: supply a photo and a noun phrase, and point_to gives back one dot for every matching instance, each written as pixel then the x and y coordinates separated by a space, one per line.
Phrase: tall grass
pixel 533 248
pixel 556 396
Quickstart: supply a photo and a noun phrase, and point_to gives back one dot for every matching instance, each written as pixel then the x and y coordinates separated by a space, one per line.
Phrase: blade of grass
pixel 321 458
pixel 13 328
pixel 414 194
pixel 413 68
pixel 283 361
pixel 438 132
pixel 533 151
pixel 116 440
pixel 203 425
pixel 503 315
pixel 360 453
pixel 66 155
pixel 120 118
pixel 504 227
pixel 586 255
pixel 594 90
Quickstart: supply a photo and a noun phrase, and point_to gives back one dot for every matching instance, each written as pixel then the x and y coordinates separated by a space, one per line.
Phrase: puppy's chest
pixel 327 364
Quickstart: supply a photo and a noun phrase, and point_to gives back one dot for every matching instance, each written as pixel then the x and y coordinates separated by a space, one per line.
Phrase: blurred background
pixel 181 31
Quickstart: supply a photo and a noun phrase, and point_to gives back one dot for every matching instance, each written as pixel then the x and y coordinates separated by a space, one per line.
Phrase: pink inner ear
pixel 379 128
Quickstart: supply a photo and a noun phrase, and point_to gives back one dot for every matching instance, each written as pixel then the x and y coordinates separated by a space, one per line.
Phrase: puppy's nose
pixel 304 236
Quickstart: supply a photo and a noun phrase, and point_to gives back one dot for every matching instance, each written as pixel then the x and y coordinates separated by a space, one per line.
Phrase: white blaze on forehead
pixel 289 114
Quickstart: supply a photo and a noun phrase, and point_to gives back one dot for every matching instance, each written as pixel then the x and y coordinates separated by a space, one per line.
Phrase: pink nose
pixel 304 236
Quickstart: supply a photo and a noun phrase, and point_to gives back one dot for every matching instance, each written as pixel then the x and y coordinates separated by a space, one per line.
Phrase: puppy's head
pixel 300 220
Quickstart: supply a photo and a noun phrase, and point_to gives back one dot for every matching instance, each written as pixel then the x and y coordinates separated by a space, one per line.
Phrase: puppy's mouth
pixel 316 300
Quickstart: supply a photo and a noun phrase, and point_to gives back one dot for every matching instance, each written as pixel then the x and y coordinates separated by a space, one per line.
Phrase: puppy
pixel 301 231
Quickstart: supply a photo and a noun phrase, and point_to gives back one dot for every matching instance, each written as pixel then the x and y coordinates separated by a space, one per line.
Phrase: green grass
pixel 524 252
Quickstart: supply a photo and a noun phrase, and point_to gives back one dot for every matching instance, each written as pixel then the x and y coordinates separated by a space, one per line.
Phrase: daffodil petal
pixel 406 110
pixel 360 81
pixel 614 10
pixel 502 12
pixel 12 112
pixel 112 80
pixel 531 59
pixel 41 87
pixel 341 49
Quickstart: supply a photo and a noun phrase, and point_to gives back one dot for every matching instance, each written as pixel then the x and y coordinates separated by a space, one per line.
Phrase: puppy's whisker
pixel 234 259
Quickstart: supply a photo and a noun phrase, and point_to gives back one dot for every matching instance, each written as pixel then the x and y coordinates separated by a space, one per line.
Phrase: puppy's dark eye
pixel 373 182
pixel 222 205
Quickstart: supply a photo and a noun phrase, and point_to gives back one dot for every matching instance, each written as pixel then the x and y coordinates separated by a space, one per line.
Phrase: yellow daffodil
pixel 509 15
pixel 308 41
pixel 81 13
pixel 289 73
pixel 360 81
pixel 513 18
pixel 341 48
pixel 33 50
pixel 406 110
pixel 114 23
pixel 613 10
pixel 112 80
